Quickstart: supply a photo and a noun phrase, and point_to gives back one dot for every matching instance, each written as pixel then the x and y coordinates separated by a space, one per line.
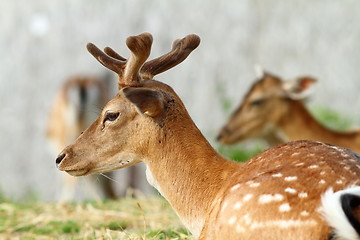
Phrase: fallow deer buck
pixel 74 109
pixel 273 109
pixel 299 190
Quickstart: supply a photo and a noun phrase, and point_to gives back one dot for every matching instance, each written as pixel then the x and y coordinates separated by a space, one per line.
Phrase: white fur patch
pixel 268 198
pixel 291 178
pixel 285 207
pixel 333 213
pixel 237 205
pixel 277 175
pixel 290 190
pixel 194 225
pixel 252 184
pixel 151 180
pixel 235 187
pixel 303 195
pixel 232 220
pixel 283 224
pixel 247 197
pixel 305 213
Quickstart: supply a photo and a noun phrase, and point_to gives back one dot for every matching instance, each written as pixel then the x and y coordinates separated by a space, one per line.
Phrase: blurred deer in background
pixel 300 190
pixel 73 110
pixel 273 109
pixel 75 107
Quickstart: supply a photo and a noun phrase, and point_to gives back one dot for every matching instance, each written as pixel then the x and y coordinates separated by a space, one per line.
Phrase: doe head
pixel 263 107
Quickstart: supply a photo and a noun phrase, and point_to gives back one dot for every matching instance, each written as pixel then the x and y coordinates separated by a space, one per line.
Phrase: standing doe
pixel 298 190
pixel 273 109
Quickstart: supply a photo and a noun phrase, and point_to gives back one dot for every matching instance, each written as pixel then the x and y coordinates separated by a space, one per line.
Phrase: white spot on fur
pixel 247 197
pixel 285 207
pixel 322 181
pixel 291 178
pixel 235 187
pixel 267 198
pixel 295 154
pixel 290 190
pixel 299 164
pixel 277 175
pixel 322 173
pixel 260 173
pixel 334 214
pixel 339 181
pixel 303 195
pixel 283 224
pixel 254 184
pixel 347 168
pixel 247 219
pixel 232 220
pixel 313 166
pixel 237 205
pixel 304 213
pixel 239 229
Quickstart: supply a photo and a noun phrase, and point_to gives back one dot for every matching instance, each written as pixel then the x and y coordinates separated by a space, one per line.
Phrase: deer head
pixel 263 107
pixel 138 110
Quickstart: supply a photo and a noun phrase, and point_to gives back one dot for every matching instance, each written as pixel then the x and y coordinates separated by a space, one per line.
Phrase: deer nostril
pixel 60 158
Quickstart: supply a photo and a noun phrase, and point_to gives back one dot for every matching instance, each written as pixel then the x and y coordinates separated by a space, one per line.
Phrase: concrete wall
pixel 43 42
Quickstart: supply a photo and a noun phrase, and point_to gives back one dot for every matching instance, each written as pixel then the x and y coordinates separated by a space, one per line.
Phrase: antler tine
pixel 109 51
pixel 113 64
pixel 180 50
pixel 140 47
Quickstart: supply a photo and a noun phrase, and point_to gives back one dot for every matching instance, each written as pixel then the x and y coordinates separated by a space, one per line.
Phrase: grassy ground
pixel 128 218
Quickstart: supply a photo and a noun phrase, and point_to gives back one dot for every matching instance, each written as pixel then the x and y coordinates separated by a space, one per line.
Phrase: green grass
pixel 238 153
pixel 331 118
pixel 127 218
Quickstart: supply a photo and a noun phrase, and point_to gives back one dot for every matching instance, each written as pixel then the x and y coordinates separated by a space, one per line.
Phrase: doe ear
pixel 299 88
pixel 147 101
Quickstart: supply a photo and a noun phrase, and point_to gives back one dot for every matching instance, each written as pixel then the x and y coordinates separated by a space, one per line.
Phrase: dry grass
pixel 128 218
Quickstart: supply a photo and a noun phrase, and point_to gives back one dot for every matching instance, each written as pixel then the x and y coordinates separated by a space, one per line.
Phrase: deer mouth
pixel 77 173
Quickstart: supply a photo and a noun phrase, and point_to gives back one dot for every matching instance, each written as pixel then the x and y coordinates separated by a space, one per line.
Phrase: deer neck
pixel 188 172
pixel 299 124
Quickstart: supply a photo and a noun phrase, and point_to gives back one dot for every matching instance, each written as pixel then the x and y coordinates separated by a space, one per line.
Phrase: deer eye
pixel 111 116
pixel 257 102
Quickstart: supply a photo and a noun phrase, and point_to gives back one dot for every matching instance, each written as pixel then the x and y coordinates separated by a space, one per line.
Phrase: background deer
pixel 273 109
pixel 75 107
pixel 295 191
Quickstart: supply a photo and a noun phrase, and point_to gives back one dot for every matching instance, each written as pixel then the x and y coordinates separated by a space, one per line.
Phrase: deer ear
pixel 148 102
pixel 299 88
